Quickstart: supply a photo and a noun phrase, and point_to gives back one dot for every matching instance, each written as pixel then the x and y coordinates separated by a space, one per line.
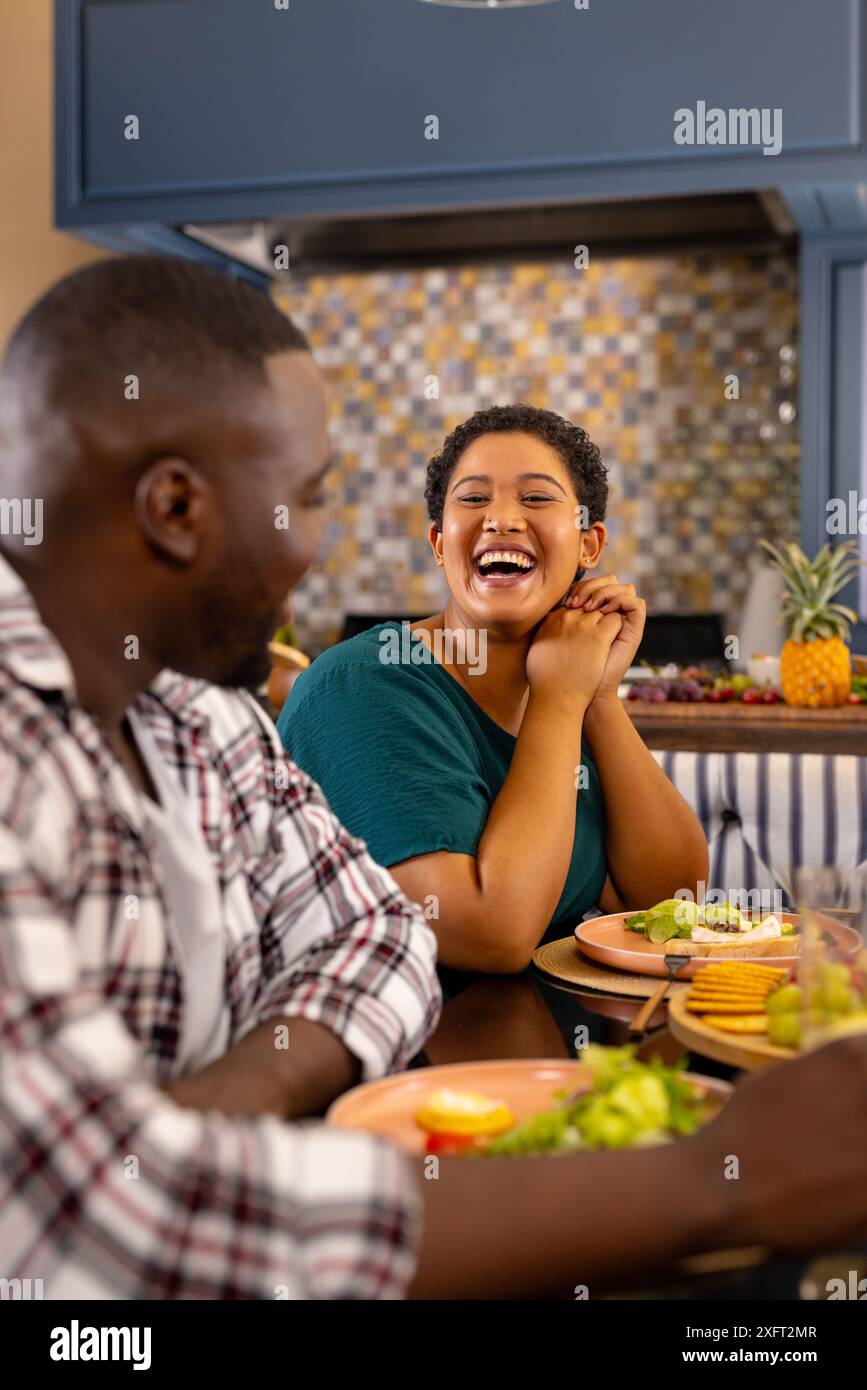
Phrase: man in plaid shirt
pixel 192 950
pixel 160 1019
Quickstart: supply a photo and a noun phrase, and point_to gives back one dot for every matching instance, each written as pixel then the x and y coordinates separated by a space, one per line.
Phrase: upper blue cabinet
pixel 211 110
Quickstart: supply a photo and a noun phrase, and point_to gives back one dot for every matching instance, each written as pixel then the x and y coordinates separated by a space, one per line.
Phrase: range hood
pixel 751 221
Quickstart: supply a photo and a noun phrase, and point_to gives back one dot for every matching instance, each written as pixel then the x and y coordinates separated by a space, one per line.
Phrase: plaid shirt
pixel 107 1189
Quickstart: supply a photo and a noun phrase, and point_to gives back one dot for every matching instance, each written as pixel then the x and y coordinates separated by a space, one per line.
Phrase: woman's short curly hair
pixel 575 447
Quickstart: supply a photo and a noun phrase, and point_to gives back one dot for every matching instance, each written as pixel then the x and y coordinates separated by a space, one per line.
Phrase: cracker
pixel 722 1006
pixel 749 1024
pixel 744 967
pixel 741 986
pixel 736 981
pixel 759 996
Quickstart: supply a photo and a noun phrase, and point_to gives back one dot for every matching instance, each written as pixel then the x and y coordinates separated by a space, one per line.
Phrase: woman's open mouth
pixel 499 568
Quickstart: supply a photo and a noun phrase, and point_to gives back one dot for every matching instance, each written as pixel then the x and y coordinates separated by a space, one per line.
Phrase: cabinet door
pixel 244 108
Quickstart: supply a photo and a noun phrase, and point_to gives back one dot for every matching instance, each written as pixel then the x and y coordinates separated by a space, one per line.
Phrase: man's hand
pixel 603 594
pixel 799 1133
pixel 801 1151
pixel 259 1077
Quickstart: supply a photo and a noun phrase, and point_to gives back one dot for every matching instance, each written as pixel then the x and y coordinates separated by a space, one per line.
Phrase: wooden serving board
pixel 749 1053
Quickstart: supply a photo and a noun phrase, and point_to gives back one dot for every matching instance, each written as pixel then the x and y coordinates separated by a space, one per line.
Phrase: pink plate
pixel 606 940
pixel 389 1106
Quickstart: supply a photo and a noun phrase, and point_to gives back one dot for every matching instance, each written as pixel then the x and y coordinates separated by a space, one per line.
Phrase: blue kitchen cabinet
pixel 245 110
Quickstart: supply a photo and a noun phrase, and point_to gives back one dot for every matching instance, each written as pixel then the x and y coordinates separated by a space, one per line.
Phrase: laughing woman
pixel 485 757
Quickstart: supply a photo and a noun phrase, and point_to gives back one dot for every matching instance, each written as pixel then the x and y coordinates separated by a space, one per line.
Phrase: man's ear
pixel 172 500
pixel 435 536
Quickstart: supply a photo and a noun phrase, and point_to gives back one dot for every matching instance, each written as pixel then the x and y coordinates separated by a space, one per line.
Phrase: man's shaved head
pixel 169 417
pixel 175 322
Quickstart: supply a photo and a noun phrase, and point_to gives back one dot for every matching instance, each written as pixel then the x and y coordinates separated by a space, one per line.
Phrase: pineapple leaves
pixel 810 587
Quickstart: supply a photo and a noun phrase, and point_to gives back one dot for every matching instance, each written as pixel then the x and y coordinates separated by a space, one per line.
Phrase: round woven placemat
pixel 564 961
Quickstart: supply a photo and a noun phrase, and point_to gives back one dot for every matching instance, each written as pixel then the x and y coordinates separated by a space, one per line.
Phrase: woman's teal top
pixel 411 764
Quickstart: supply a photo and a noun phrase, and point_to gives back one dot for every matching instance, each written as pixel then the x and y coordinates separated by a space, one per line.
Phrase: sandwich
pixel 717 930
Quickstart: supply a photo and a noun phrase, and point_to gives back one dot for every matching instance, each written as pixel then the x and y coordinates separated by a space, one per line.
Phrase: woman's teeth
pixel 506 557
pixel 504 568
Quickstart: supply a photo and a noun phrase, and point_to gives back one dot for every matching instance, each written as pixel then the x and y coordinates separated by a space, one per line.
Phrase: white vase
pixel 760 628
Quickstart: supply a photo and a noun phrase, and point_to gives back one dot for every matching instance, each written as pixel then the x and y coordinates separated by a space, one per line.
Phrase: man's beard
pixel 234 631
pixel 249 671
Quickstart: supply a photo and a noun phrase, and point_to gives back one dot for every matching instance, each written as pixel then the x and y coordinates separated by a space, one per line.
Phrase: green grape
pixel 834 973
pixel 784 1030
pixel 835 999
pixel 784 1001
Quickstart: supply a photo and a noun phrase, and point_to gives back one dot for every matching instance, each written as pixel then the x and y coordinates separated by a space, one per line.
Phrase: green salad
pixel 631 1103
pixel 676 917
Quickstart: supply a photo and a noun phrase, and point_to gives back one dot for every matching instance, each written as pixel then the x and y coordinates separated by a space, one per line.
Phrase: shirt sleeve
pixel 397 763
pixel 342 945
pixel 109 1190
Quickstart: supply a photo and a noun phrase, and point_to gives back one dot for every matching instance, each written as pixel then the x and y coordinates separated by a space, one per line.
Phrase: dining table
pixel 532 1015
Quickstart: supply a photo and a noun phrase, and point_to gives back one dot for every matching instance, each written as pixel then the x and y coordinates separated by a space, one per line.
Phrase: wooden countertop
pixel 738 728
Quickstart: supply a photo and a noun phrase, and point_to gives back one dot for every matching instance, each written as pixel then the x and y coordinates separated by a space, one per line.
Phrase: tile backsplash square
pixel 637 351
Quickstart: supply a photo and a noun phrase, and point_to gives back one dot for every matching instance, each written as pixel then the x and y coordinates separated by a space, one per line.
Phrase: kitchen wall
pixel 636 351
pixel 32 254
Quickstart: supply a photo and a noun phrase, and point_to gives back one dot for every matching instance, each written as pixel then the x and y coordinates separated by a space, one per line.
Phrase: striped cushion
pixel 766 813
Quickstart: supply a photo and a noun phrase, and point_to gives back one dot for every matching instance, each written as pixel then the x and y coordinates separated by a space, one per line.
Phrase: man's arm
pixel 119 1193
pixel 261 1077
pixel 502 1228
pixel 171 1203
pixel 590 1220
pixel 348 987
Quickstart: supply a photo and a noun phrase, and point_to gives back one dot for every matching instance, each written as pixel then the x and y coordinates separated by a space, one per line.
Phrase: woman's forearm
pixel 492 908
pixel 524 854
pixel 654 842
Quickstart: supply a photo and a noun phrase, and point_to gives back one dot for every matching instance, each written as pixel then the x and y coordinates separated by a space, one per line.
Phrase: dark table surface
pixel 533 1016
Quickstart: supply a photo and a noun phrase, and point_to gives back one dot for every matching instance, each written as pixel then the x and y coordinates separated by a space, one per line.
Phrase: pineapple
pixel 815 668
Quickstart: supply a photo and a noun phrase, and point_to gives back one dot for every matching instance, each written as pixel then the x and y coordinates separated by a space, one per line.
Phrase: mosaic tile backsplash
pixel 636 351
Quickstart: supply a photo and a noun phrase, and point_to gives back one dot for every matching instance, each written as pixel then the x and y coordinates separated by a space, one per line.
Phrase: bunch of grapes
pixel 695 684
